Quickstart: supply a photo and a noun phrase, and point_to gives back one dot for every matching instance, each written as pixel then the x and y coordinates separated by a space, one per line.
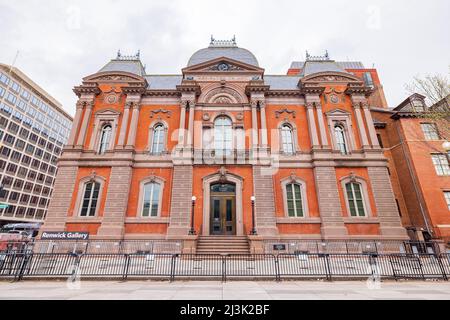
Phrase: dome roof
pixel 221 48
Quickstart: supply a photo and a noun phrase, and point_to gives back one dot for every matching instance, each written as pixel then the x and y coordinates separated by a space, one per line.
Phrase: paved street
pixel 215 290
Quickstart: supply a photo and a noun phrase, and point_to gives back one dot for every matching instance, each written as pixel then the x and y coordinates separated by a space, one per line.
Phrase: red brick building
pixel 413 142
pixel 303 144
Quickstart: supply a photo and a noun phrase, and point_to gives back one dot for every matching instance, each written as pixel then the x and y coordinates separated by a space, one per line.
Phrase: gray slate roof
pixel 342 64
pixel 163 82
pixel 234 53
pixel 282 82
pixel 132 66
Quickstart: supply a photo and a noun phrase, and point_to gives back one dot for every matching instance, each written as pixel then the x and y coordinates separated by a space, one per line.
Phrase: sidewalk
pixel 215 290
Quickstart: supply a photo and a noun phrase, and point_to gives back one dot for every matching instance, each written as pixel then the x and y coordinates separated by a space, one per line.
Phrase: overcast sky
pixel 60 42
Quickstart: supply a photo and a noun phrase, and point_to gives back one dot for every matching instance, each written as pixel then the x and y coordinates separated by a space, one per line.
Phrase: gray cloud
pixel 60 42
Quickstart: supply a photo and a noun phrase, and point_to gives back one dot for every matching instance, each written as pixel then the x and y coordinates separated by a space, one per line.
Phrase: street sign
pixel 4 206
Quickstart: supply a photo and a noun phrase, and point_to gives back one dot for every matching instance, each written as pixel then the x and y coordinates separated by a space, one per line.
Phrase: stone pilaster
pixel 180 204
pixel 262 106
pixel 124 125
pixel 390 222
pixel 333 226
pixel 370 126
pixel 133 126
pixel 181 138
pixel 322 130
pixel 312 125
pixel 361 126
pixel 76 124
pixel 254 105
pixel 264 203
pixel 190 137
pixel 61 199
pixel 113 223
pixel 86 117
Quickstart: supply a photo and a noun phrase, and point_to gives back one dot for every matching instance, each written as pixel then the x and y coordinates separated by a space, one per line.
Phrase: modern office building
pixel 33 130
pixel 189 156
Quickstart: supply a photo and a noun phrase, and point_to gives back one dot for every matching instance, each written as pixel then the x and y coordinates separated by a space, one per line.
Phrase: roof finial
pixel 138 54
pixel 118 54
pixel 307 55
pixel 234 39
pixel 212 39
pixel 326 54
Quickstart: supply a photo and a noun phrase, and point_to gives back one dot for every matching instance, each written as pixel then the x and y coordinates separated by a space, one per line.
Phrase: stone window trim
pixel 101 119
pixel 80 193
pixel 342 118
pixel 237 126
pixel 365 194
pixel 142 183
pixel 150 136
pixel 294 179
pixel 294 136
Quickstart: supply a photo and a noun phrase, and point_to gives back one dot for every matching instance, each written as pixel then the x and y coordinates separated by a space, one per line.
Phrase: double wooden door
pixel 223 214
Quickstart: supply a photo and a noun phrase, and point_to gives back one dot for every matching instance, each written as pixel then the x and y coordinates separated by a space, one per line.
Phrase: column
pixel 322 130
pixel 370 126
pixel 76 124
pixel 182 124
pixel 86 118
pixel 190 137
pixel 254 105
pixel 133 125
pixel 362 129
pixel 262 107
pixel 312 125
pixel 124 125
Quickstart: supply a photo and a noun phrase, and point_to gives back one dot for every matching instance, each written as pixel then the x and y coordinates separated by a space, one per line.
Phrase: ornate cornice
pixel 256 86
pixel 163 93
pixel 279 112
pixel 189 86
pixel 284 93
pixel 134 89
pixel 86 89
pixel 164 111
pixel 358 89
pixel 311 88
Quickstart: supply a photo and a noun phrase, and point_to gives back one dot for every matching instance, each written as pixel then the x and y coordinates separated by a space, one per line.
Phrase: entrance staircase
pixel 223 245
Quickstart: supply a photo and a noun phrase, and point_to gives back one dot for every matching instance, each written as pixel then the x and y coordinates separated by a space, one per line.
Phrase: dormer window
pixel 418 105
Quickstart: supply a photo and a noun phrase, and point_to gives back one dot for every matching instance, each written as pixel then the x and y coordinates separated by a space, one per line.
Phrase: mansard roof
pixel 163 82
pixel 131 64
pixel 341 64
pixel 282 82
pixel 223 48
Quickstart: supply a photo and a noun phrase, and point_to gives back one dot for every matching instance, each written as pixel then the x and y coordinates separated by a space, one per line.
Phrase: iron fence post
pixel 277 268
pixel 327 264
pixel 224 268
pixel 441 266
pixel 127 265
pixel 172 267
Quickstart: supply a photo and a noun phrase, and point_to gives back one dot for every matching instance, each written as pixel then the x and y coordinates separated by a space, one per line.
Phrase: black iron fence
pixel 29 265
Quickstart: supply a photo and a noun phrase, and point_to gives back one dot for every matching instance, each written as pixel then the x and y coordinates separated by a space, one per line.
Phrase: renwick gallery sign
pixel 64 235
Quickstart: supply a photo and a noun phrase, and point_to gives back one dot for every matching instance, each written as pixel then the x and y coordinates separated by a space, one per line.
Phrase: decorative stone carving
pixel 334 98
pixel 206 116
pixel 223 174
pixel 222 100
pixel 164 111
pixel 224 66
pixel 240 116
pixel 217 93
pixel 352 177
pixel 279 112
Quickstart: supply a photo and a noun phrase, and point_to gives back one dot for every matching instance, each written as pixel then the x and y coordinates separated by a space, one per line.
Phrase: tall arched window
pixel 158 139
pixel 294 200
pixel 223 135
pixel 341 142
pixel 90 199
pixel 151 199
pixel 287 139
pixel 355 199
pixel 105 138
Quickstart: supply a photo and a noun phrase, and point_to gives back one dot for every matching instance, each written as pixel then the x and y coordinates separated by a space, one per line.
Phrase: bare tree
pixel 436 88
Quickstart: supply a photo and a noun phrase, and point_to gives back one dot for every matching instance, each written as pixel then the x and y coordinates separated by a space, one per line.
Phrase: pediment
pixel 337 112
pixel 331 77
pixel 223 65
pixel 107 112
pixel 114 76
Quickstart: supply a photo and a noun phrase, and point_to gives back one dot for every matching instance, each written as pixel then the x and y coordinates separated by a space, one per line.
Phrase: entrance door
pixel 223 209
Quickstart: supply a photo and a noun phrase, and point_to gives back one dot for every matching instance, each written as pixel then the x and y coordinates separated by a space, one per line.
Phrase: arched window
pixel 158 139
pixel 223 135
pixel 151 199
pixel 294 200
pixel 341 142
pixel 287 141
pixel 105 138
pixel 355 199
pixel 90 199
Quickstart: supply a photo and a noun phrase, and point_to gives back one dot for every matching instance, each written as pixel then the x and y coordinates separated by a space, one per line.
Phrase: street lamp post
pixel 192 231
pixel 253 232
